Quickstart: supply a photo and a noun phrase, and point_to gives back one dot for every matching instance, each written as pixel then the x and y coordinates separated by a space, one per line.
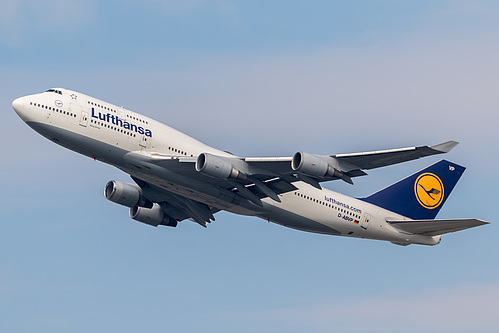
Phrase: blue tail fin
pixel 421 195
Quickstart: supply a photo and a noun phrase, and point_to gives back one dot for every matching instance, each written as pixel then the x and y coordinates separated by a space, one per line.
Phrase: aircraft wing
pixel 377 159
pixel 176 206
pixel 254 178
pixel 435 227
pixel 350 165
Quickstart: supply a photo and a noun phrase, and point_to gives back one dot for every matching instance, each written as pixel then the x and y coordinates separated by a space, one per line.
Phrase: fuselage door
pixel 84 119
pixel 49 110
pixel 144 141
pixel 121 113
pixel 365 221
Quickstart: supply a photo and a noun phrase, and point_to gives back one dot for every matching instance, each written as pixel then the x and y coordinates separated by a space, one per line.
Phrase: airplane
pixel 178 178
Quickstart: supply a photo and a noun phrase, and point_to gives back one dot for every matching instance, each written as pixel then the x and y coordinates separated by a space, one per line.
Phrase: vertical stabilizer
pixel 421 195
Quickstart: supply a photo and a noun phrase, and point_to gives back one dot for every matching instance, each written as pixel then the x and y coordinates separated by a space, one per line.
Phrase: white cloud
pixel 329 100
pixel 20 20
pixel 177 7
pixel 458 309
pixel 419 92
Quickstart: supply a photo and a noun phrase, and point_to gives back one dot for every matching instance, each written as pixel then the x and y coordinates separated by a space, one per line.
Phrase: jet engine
pixel 125 194
pixel 315 166
pixel 217 167
pixel 153 216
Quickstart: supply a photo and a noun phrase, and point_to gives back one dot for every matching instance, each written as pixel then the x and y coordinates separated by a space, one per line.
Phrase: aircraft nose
pixel 18 104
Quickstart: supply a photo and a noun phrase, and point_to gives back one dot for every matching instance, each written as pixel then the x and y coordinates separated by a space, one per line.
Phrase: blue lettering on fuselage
pixel 343 205
pixel 109 118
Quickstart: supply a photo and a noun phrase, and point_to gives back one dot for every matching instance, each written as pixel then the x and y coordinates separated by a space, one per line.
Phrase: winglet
pixel 445 147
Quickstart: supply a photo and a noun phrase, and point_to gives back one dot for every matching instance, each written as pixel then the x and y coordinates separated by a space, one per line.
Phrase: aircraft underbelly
pixel 292 220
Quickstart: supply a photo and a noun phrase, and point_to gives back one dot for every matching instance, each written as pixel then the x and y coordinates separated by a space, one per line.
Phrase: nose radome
pixel 17 104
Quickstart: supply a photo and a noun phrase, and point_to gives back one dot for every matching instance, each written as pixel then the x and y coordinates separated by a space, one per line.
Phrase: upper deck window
pixel 55 91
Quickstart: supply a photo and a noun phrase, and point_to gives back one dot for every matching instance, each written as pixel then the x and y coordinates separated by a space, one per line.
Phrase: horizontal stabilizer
pixel 435 227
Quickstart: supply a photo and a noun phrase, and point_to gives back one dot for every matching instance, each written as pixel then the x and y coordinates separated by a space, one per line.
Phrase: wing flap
pixel 436 227
pixel 176 206
pixel 277 185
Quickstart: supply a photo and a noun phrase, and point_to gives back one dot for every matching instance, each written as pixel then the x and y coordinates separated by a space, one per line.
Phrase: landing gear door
pixel 365 221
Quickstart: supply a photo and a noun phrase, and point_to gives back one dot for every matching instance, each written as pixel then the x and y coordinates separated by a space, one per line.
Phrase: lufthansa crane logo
pixel 429 190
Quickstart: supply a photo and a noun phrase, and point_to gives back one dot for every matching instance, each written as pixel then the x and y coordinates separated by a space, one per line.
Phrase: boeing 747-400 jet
pixel 177 177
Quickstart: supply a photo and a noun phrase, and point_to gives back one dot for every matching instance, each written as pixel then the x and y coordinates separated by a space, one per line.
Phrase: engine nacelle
pixel 217 167
pixel 313 165
pixel 125 194
pixel 152 216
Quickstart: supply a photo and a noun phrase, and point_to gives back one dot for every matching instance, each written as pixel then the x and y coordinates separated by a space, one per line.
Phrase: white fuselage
pixel 108 133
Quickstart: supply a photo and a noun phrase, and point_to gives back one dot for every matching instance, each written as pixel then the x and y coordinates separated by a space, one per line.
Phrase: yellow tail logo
pixel 429 190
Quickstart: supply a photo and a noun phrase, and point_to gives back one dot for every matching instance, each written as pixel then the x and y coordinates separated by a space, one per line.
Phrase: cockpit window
pixel 55 91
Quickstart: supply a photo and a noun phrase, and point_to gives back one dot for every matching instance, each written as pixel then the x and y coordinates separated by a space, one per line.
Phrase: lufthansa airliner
pixel 177 178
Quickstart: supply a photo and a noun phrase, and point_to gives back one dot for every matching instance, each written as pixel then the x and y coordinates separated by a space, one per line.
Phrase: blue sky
pixel 256 78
